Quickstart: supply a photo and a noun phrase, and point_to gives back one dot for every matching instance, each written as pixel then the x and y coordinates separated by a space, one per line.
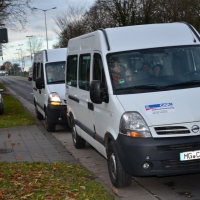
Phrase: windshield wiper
pixel 150 86
pixel 193 82
pixel 59 81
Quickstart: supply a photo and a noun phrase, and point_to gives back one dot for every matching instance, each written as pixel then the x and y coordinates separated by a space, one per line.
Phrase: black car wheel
pixel 78 141
pixel 49 126
pixel 38 114
pixel 117 175
pixel 1 106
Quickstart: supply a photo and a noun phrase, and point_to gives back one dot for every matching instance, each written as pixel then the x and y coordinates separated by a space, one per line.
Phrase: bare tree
pixel 71 24
pixel 115 13
pixel 7 65
pixel 34 45
pixel 13 13
pixel 122 11
pixel 101 14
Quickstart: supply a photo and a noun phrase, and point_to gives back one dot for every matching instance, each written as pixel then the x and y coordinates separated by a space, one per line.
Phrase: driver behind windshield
pixel 117 71
pixel 51 74
pixel 157 70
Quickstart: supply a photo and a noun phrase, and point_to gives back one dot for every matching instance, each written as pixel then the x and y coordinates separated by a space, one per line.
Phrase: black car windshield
pixel 55 72
pixel 147 70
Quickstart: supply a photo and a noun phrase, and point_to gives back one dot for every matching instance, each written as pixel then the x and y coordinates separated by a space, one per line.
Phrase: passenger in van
pixel 157 70
pixel 117 71
pixel 51 74
pixel 128 75
pixel 146 67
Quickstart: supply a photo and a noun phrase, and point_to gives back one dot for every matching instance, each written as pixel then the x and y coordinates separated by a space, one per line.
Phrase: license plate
pixel 190 155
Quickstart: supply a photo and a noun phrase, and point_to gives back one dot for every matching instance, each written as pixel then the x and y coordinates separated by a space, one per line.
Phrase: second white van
pixel 49 87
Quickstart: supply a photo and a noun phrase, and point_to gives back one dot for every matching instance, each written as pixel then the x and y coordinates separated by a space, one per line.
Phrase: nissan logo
pixel 195 129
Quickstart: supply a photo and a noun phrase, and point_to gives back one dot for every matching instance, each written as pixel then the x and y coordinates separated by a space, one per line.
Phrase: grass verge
pixel 60 181
pixel 14 112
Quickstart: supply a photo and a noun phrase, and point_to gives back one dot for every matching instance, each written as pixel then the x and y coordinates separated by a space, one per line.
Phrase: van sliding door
pixel 101 116
pixel 85 109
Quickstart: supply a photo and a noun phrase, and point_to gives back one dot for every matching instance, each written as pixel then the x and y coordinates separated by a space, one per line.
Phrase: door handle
pixel 90 106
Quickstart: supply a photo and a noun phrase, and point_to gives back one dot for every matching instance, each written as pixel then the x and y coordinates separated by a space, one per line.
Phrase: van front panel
pixel 161 155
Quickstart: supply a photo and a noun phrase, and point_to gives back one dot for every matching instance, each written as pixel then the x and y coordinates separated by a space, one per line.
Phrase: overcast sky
pixel 36 27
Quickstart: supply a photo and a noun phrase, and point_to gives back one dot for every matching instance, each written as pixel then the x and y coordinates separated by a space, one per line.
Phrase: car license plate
pixel 190 155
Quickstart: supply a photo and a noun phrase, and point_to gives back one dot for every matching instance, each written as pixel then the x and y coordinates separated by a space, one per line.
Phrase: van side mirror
pixel 39 83
pixel 3 35
pixel 97 93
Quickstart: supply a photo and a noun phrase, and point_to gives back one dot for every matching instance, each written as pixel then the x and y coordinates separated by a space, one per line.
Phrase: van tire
pixel 117 175
pixel 49 126
pixel 78 141
pixel 1 111
pixel 38 114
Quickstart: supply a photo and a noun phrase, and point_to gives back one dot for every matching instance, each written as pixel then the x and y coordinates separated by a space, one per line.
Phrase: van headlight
pixel 132 124
pixel 54 99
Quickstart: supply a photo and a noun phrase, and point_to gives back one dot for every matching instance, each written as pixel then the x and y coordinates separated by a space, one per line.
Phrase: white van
pixel 49 86
pixel 149 125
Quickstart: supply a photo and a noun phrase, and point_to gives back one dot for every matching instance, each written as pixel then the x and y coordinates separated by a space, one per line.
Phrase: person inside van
pixel 146 67
pixel 128 75
pixel 117 71
pixel 157 70
pixel 51 74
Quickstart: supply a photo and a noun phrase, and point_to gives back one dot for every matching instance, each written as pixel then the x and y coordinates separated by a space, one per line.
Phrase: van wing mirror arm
pixel 104 95
pixel 97 93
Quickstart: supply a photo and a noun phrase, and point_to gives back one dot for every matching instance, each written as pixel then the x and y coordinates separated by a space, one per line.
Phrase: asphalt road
pixel 20 85
pixel 165 188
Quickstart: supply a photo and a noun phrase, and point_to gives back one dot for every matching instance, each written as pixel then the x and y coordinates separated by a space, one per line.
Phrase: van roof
pixel 53 55
pixel 145 36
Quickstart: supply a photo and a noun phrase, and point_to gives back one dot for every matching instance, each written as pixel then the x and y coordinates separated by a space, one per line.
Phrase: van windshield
pixel 55 72
pixel 147 70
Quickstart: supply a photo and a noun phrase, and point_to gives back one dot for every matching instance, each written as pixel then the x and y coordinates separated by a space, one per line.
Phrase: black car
pixel 30 76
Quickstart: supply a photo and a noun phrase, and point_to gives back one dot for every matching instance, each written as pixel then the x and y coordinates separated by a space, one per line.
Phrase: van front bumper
pixel 161 154
pixel 57 114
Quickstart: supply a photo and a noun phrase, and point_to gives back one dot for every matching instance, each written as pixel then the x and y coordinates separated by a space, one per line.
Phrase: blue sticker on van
pixel 159 108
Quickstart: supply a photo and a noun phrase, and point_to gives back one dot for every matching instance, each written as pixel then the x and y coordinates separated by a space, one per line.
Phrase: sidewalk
pixel 31 143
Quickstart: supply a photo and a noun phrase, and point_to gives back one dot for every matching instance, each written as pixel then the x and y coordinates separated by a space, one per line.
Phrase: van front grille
pixel 179 165
pixel 184 147
pixel 171 130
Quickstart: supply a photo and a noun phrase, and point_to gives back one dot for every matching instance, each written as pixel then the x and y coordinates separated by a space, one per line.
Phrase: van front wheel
pixel 38 114
pixel 117 175
pixel 49 126
pixel 78 141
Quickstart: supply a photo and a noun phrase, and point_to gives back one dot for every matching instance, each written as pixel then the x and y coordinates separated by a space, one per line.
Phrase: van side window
pixel 84 71
pixel 71 75
pixel 38 70
pixel 98 71
pixel 42 73
pixel 34 71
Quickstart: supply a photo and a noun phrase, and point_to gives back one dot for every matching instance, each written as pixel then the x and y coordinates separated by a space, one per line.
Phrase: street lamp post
pixel 21 53
pixel 30 46
pixel 18 60
pixel 18 57
pixel 45 20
